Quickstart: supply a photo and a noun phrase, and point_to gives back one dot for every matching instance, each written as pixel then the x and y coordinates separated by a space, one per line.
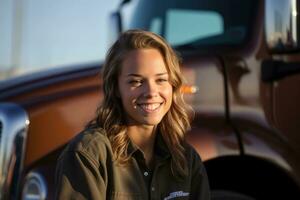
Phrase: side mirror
pixel 115 26
pixel 282 28
pixel 116 22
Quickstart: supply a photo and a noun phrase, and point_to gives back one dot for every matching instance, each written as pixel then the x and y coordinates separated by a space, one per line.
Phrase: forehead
pixel 143 61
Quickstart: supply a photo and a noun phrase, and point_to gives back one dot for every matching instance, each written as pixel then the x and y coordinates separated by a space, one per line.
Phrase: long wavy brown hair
pixel 109 116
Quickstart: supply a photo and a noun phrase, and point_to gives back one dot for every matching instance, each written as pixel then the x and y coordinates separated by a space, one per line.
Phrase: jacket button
pixel 146 173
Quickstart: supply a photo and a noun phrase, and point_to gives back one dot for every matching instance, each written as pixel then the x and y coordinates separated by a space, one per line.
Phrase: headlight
pixel 35 187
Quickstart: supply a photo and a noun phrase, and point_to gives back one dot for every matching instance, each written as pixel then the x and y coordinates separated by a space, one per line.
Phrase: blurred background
pixel 36 35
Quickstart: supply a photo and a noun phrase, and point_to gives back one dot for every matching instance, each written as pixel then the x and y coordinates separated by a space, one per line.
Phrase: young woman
pixel 135 147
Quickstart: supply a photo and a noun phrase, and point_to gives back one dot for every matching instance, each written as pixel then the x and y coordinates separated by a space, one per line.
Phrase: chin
pixel 152 122
pixel 145 120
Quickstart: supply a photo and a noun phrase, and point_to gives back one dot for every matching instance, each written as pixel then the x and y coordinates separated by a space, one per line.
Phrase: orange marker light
pixel 189 89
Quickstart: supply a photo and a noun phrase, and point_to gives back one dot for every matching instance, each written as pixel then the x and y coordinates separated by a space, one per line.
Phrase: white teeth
pixel 150 107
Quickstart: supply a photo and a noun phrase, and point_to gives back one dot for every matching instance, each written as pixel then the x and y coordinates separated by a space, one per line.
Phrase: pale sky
pixel 37 34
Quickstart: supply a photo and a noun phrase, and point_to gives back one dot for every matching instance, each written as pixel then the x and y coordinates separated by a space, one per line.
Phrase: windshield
pixel 193 23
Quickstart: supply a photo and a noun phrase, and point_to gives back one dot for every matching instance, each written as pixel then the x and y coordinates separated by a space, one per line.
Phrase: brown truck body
pixel 246 129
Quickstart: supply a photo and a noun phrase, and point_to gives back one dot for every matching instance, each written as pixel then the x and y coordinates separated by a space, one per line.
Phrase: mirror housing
pixel 115 26
pixel 116 22
pixel 282 32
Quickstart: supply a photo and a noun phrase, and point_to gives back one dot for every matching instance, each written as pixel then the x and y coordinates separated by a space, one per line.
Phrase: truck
pixel 241 63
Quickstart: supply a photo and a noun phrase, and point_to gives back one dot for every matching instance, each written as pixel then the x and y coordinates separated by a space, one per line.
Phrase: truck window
pixel 193 23
pixel 178 21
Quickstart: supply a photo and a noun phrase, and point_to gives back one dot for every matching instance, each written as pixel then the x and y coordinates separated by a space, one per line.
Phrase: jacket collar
pixel 160 147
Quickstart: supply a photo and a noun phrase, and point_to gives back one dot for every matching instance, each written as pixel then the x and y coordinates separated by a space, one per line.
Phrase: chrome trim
pixel 36 180
pixel 15 123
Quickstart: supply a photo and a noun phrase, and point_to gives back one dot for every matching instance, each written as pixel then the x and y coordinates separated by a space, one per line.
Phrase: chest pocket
pixel 125 196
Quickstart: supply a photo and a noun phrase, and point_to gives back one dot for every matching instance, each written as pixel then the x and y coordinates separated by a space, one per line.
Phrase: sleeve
pixel 199 181
pixel 78 178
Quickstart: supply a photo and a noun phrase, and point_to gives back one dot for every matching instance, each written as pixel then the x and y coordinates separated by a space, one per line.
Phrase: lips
pixel 149 107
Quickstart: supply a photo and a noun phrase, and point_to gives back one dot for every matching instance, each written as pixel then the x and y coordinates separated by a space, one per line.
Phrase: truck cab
pixel 240 60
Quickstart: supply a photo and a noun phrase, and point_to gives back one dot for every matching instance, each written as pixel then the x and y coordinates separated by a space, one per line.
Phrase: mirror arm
pixel 118 16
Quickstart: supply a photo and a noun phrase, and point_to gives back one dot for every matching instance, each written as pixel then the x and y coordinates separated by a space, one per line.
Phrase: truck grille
pixel 13 133
pixel 0 131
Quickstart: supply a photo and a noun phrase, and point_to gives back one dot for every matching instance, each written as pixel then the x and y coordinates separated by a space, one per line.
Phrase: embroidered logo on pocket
pixel 177 194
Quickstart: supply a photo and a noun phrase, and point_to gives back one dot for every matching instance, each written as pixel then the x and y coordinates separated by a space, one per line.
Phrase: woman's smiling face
pixel 144 87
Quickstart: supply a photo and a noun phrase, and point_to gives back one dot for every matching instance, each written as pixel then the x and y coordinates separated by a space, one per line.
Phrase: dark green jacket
pixel 86 170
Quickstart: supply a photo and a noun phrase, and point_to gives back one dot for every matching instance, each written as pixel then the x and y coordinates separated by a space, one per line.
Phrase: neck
pixel 143 137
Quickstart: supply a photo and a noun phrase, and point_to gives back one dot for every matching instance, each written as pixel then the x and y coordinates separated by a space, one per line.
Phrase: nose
pixel 150 89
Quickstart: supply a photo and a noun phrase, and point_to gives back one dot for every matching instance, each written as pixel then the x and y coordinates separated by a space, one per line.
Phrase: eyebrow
pixel 138 75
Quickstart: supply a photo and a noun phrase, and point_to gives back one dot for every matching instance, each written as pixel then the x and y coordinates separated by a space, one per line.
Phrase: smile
pixel 149 107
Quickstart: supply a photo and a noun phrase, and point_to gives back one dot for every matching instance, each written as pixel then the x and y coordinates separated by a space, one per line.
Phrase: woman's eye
pixel 135 82
pixel 161 80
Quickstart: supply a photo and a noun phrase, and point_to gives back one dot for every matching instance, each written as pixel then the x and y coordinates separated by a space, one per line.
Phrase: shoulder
pixel 197 175
pixel 193 158
pixel 87 139
pixel 91 143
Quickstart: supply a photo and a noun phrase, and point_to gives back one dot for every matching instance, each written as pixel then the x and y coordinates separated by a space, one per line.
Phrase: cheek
pixel 123 90
pixel 127 95
pixel 168 93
